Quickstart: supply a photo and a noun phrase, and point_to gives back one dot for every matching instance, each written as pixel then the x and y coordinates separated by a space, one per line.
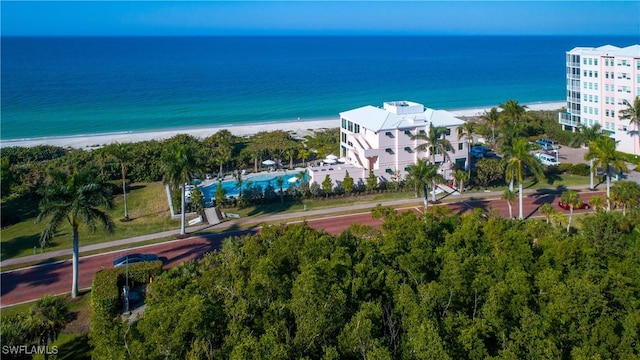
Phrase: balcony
pixel 564 118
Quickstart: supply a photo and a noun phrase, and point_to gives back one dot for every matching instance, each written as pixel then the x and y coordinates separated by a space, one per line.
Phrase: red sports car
pixel 576 207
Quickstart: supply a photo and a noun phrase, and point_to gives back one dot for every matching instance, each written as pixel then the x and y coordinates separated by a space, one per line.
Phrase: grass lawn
pixel 147 205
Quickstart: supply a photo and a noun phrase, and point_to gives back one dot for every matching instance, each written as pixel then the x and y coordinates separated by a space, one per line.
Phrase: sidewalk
pixel 224 226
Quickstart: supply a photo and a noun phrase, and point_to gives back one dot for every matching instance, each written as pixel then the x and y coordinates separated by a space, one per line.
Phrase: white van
pixel 546 159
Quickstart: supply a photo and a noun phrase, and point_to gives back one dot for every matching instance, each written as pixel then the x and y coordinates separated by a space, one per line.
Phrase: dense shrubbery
pixel 438 287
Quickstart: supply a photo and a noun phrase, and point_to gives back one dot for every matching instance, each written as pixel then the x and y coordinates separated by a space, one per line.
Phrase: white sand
pixel 296 128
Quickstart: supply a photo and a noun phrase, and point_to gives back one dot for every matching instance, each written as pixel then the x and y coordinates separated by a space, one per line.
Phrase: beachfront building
pixel 600 82
pixel 379 139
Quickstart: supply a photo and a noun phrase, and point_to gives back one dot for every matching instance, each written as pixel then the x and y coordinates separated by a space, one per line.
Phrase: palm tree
pixel 467 130
pixel 632 114
pixel 421 175
pixel 603 152
pixel 596 203
pixel 510 196
pixel 512 110
pixel 461 177
pixel 121 153
pixel 434 142
pixel 280 183
pixel 48 318
pixel 492 120
pixel 585 136
pixel 179 163
pixel 515 159
pixel 570 197
pixel 304 153
pixel 222 144
pixel 547 210
pixel 74 198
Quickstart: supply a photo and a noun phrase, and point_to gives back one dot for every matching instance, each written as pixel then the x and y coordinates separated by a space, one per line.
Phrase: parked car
pixel 546 159
pixel 576 207
pixel 479 151
pixel 134 258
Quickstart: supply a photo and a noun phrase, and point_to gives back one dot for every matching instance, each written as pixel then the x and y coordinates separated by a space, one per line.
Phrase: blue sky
pixel 320 18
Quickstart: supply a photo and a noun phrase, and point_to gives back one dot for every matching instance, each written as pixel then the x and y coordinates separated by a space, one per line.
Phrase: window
pixel 389 134
pixel 606 87
pixel 595 62
pixel 344 137
pixel 584 97
pixel 590 61
pixel 389 150
pixel 584 61
pixel 421 132
pixel 595 110
pixel 460 146
pixel 595 74
pixel 350 126
pixel 356 128
pixel 590 73
pixel 596 98
pixel 590 85
pixel 344 123
pixel 408 132
pixel 584 73
pixel 606 62
pixel 408 149
pixel 606 74
pixel 584 85
pixel 590 98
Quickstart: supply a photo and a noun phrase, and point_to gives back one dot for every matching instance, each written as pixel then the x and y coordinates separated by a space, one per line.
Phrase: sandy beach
pixel 296 128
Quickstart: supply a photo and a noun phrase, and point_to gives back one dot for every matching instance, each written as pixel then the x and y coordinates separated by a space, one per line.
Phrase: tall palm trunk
pixel 520 201
pixel 511 185
pixel 570 216
pixel 591 185
pixel 608 190
pixel 426 198
pixel 74 285
pixel 124 191
pixel 433 195
pixel 510 209
pixel 183 216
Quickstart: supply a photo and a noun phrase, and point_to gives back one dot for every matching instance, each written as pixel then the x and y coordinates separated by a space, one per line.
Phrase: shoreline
pixel 298 128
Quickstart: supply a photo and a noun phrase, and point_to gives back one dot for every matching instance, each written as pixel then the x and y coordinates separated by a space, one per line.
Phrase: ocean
pixel 66 86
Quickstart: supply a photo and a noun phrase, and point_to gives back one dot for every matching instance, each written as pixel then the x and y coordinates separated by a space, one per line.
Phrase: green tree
pixel 603 152
pixel 487 171
pixel 372 181
pixel 434 142
pixel 304 153
pixel 396 179
pixel 632 114
pixel 347 183
pixel 220 194
pixel 460 177
pixel 179 164
pixel 596 202
pixel 516 159
pixel 74 198
pixel 467 130
pixel 510 197
pixel 421 175
pixel 492 120
pixel 626 194
pixel 197 199
pixel 327 185
pixel 280 184
pixel 585 135
pixel 121 153
pixel 570 197
pixel 513 111
pixel 48 317
pixel 547 210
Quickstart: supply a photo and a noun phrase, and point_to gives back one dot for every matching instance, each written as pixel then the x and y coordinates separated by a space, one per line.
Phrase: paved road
pixel 32 283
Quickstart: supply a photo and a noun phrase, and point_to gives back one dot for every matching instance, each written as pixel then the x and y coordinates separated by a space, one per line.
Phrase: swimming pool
pixel 262 180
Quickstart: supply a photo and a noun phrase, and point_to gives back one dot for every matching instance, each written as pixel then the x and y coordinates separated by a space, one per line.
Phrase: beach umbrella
pixel 293 179
pixel 332 157
pixel 268 162
pixel 342 160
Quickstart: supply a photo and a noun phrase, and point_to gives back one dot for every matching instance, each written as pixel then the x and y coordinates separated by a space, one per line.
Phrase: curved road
pixel 32 283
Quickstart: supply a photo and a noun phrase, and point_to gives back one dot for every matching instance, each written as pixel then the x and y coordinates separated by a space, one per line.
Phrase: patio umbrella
pixel 268 162
pixel 293 179
pixel 342 160
pixel 329 161
pixel 332 157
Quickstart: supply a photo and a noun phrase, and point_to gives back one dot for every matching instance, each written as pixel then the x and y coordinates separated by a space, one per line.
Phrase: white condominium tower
pixel 600 82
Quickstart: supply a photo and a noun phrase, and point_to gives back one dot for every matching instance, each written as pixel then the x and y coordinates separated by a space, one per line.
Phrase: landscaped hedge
pixel 105 290
pixel 105 333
